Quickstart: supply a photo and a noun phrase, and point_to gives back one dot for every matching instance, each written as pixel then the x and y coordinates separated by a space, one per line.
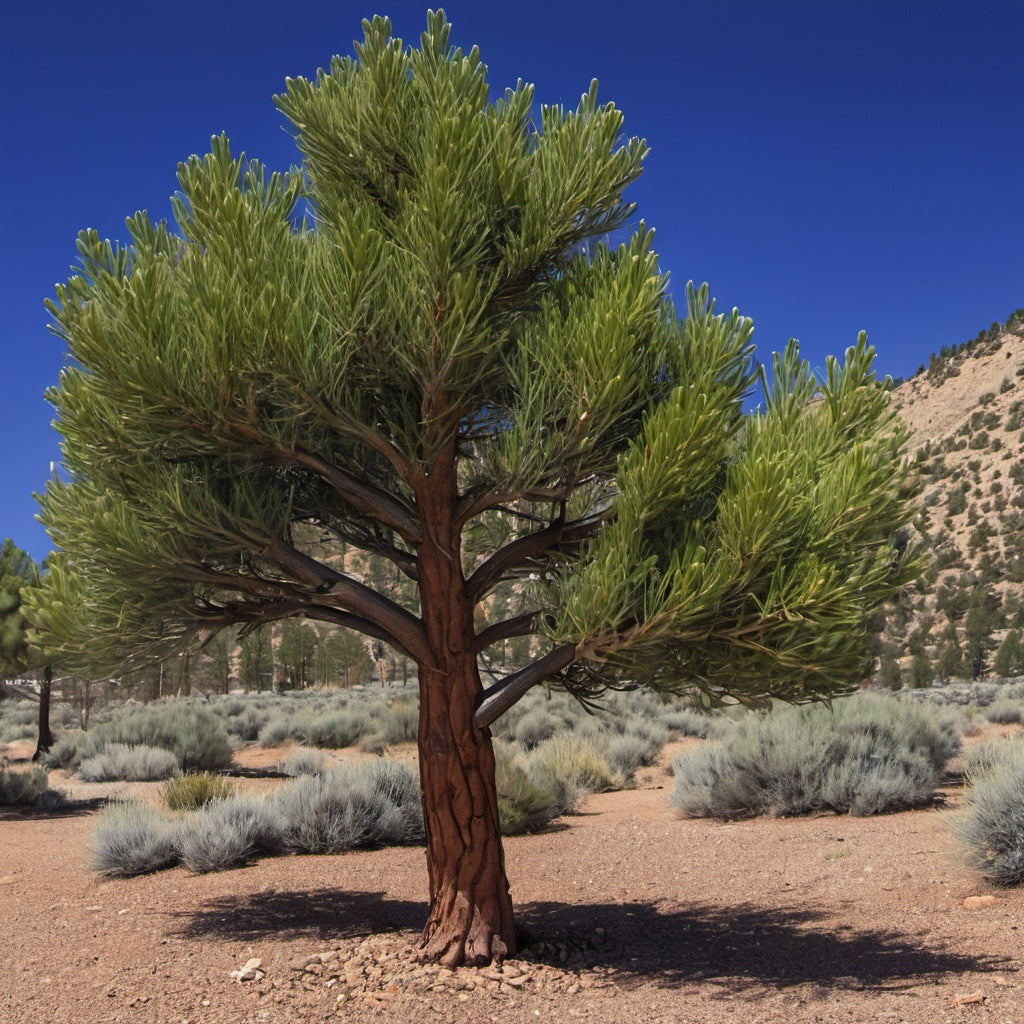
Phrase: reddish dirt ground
pixel 634 913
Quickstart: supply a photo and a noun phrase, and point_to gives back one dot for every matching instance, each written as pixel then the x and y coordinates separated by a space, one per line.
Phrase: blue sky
pixel 827 167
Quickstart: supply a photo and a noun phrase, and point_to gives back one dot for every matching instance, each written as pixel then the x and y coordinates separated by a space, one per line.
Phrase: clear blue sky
pixel 827 167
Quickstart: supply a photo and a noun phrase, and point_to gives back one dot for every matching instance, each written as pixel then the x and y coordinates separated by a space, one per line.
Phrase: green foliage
pixel 863 756
pixel 17 572
pixel 196 789
pixel 1010 657
pixel 242 386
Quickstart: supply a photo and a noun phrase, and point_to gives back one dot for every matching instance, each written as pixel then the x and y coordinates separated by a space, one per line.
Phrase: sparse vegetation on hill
pixel 963 618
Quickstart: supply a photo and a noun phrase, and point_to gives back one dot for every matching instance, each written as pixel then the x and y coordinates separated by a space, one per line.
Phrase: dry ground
pixel 635 914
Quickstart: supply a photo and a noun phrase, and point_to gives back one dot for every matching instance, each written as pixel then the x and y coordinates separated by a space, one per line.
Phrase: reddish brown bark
pixel 470 918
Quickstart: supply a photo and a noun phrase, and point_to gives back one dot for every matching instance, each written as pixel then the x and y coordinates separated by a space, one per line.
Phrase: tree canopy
pixel 18 571
pixel 445 341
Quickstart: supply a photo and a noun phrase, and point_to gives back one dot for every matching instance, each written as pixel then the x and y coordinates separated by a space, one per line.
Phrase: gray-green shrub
pixel 133 839
pixel 991 825
pixel 864 755
pixel 189 730
pixel 303 761
pixel 228 833
pixel 373 804
pixel 22 786
pixel 70 750
pixel 118 762
pixel 1005 711
pixel 570 767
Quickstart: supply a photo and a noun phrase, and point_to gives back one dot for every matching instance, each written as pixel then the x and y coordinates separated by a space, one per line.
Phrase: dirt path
pixel 637 915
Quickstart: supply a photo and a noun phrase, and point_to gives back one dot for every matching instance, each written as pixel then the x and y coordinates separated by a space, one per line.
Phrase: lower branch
pixel 500 697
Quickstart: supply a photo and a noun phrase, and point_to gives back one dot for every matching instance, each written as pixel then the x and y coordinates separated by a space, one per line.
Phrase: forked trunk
pixel 470 918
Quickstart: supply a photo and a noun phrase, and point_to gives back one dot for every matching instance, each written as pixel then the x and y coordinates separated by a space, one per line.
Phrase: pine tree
pixel 447 368
pixel 1010 657
pixel 17 572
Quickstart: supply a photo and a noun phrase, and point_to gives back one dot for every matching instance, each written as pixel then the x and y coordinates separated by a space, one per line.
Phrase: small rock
pixel 977 902
pixel 249 970
pixel 962 999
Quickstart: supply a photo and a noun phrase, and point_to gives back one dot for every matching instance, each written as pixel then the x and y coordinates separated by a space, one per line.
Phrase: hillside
pixel 965 414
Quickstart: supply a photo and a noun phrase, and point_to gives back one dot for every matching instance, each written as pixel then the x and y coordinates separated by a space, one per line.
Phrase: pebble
pixel 249 971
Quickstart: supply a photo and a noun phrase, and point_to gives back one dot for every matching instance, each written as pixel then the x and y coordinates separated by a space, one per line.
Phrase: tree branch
pixel 349 595
pixel 520 552
pixel 363 496
pixel 500 697
pixel 519 625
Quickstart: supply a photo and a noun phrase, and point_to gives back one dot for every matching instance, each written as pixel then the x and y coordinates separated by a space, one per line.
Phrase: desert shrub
pixel 70 749
pixel 399 723
pixel 22 786
pixel 537 725
pixel 569 766
pixel 196 789
pixel 685 722
pixel 133 839
pixel 1006 711
pixel 865 755
pixel 190 731
pixel 991 826
pixel 228 833
pixel 246 723
pixel 117 762
pixel 524 804
pixel 276 731
pixel 340 728
pixel 372 804
pixel 303 761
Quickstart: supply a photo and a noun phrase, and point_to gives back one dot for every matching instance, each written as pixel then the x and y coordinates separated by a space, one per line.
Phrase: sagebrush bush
pixel 196 789
pixel 118 762
pixel 303 761
pixel 1005 711
pixel 70 750
pixel 571 767
pixel 133 839
pixel 400 721
pixel 22 786
pixel 686 722
pixel 230 832
pixel 864 755
pixel 991 825
pixel 524 804
pixel 190 731
pixel 373 804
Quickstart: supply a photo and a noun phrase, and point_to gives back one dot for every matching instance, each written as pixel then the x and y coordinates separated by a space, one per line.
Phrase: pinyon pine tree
pixel 447 366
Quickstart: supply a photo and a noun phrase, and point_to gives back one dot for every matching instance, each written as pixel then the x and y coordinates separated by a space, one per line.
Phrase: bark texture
pixel 470 918
pixel 45 740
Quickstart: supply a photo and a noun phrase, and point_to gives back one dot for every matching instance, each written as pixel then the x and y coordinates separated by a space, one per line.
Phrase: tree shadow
pixel 742 946
pixel 312 913
pixel 69 809
pixel 746 943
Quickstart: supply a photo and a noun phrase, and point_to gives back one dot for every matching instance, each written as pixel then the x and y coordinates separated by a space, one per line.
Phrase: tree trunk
pixel 45 740
pixel 470 919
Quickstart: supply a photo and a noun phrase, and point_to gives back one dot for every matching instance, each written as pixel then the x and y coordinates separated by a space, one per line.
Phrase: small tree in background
pixel 448 370
pixel 1010 657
